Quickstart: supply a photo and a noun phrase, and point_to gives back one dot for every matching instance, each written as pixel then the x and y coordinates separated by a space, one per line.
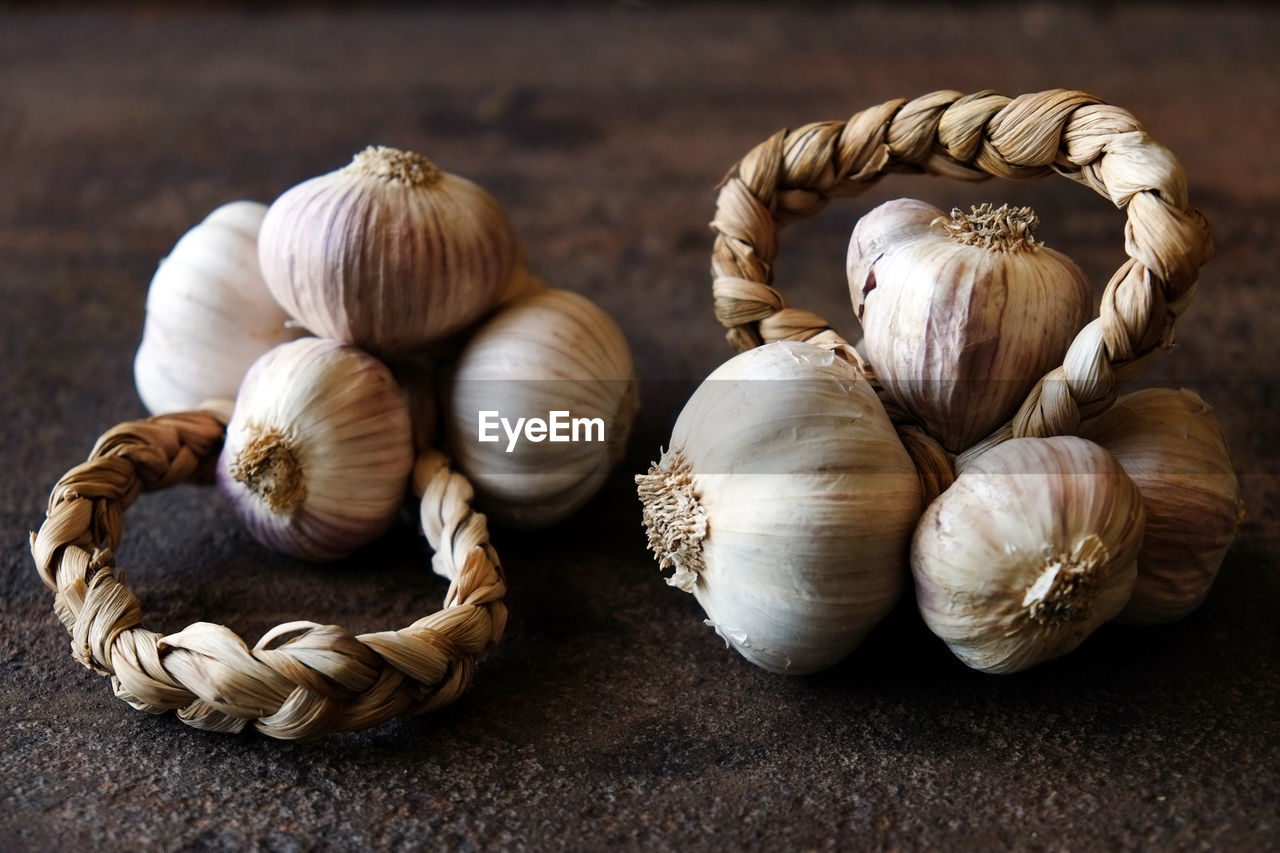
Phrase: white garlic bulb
pixel 1172 446
pixel 209 314
pixel 540 404
pixel 1031 548
pixel 785 504
pixel 318 451
pixel 389 253
pixel 961 315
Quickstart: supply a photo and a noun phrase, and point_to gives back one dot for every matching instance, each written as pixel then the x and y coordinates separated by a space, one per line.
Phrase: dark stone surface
pixel 610 715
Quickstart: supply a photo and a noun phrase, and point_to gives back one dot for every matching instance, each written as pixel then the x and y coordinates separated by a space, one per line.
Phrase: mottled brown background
pixel 610 714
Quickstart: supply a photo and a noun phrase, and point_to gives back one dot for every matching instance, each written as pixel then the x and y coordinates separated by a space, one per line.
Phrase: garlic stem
pixel 674 519
pixel 268 464
pixel 391 164
pixel 998 229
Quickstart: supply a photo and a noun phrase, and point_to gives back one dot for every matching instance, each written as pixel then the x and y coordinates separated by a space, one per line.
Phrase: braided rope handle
pixel 302 679
pixel 794 173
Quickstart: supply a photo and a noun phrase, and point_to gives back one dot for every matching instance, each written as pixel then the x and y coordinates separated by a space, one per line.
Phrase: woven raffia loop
pixel 302 679
pixel 794 173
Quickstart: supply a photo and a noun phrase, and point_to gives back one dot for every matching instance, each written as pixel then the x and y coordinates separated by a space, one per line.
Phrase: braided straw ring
pixel 301 679
pixel 793 174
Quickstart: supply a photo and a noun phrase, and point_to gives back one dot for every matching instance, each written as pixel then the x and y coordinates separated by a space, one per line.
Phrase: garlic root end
pixel 998 229
pixel 1068 584
pixel 674 519
pixel 391 164
pixel 268 464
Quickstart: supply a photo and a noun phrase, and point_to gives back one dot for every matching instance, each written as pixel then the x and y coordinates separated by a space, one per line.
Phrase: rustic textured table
pixel 610 715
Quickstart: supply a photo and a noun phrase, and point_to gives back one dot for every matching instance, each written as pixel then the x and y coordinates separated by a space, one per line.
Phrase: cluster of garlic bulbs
pixel 353 320
pixel 790 508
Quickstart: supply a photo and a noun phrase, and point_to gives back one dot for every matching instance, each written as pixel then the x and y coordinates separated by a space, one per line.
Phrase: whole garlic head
pixel 1032 548
pixel 209 314
pixel 547 352
pixel 318 450
pixel 961 315
pixel 1172 446
pixel 785 504
pixel 390 252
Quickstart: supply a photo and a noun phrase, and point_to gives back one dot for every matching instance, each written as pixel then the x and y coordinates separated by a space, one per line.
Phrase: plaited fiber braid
pixel 302 679
pixel 794 173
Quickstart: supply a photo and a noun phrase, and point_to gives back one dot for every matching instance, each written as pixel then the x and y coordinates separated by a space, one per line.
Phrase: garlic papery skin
pixel 390 252
pixel 785 504
pixel 318 450
pixel 1172 446
pixel 209 314
pixel 961 314
pixel 549 351
pixel 1031 548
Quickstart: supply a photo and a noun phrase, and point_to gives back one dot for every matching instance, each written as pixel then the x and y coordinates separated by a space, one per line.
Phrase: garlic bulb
pixel 541 400
pixel 390 252
pixel 962 314
pixel 1172 446
pixel 318 450
pixel 785 504
pixel 209 314
pixel 1033 547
